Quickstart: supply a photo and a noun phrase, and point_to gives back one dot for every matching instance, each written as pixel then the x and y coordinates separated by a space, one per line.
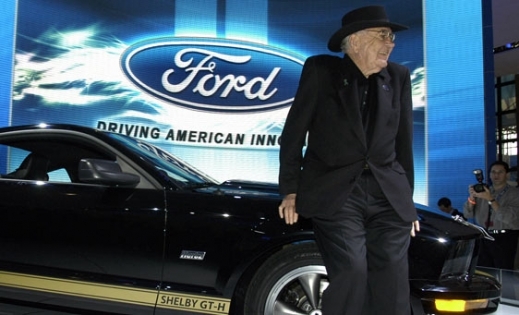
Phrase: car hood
pixel 433 223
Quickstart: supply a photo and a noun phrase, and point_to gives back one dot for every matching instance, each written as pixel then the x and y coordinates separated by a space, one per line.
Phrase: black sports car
pixel 97 221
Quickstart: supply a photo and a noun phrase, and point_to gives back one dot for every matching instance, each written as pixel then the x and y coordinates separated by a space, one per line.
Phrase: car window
pixel 59 175
pixel 52 166
pixel 14 159
pixel 57 158
pixel 22 164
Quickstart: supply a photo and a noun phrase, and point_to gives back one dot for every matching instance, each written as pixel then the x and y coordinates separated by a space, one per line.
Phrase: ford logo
pixel 213 75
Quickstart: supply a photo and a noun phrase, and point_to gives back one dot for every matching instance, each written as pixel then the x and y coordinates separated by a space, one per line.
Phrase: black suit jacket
pixel 326 117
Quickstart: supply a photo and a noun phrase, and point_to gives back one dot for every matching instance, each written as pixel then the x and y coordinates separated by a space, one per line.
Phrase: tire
pixel 290 282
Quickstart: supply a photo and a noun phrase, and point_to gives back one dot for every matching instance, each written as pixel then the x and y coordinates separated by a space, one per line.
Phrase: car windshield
pixel 175 169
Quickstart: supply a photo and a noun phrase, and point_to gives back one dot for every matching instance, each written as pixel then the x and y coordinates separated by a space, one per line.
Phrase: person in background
pixel 496 208
pixel 355 180
pixel 445 205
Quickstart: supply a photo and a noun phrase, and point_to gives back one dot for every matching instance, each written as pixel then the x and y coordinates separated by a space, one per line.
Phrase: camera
pixel 479 187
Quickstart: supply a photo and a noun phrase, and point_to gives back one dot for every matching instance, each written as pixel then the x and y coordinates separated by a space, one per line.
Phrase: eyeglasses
pixel 384 35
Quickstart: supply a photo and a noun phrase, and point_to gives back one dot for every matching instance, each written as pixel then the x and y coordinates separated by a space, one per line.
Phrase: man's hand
pixel 485 194
pixel 287 209
pixel 415 227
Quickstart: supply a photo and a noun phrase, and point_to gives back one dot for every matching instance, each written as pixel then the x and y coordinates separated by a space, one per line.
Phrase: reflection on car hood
pixel 245 187
pixel 443 226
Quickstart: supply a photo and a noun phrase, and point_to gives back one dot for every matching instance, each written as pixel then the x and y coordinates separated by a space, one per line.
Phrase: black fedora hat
pixel 359 19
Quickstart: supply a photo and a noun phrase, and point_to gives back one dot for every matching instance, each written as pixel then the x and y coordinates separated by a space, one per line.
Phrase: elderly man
pixel 355 179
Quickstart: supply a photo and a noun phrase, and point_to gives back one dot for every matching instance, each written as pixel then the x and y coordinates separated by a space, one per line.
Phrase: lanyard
pixel 501 193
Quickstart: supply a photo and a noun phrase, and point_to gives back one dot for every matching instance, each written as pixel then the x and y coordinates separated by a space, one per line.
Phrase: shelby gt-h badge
pixel 98 221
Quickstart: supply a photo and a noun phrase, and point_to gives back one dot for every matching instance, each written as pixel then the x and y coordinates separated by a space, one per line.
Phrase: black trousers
pixel 364 248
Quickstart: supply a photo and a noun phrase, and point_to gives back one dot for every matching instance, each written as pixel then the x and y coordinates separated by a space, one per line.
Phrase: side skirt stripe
pixel 119 294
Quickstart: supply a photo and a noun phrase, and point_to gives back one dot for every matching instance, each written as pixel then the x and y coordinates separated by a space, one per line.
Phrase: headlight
pixel 460 305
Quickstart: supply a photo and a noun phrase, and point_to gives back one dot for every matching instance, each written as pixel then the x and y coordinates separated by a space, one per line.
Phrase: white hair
pixel 345 44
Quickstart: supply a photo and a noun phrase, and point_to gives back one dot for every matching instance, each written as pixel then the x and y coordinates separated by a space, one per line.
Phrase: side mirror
pixel 105 172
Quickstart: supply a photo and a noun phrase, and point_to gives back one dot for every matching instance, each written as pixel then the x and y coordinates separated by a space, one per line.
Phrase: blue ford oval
pixel 213 74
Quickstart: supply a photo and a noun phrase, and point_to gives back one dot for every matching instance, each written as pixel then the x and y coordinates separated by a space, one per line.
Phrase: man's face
pixel 498 175
pixel 375 46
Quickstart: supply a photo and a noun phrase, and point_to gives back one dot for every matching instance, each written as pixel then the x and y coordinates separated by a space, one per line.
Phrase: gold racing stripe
pixel 121 294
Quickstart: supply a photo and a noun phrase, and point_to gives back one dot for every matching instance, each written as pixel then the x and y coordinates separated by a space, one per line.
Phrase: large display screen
pixel 212 80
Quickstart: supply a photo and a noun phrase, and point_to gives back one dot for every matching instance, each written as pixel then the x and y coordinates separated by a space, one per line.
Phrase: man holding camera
pixel 496 208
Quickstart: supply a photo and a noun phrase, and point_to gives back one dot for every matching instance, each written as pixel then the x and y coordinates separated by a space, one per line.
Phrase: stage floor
pixel 506 310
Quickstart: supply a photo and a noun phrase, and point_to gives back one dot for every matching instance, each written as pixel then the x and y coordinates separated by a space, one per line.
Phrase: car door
pixel 81 245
